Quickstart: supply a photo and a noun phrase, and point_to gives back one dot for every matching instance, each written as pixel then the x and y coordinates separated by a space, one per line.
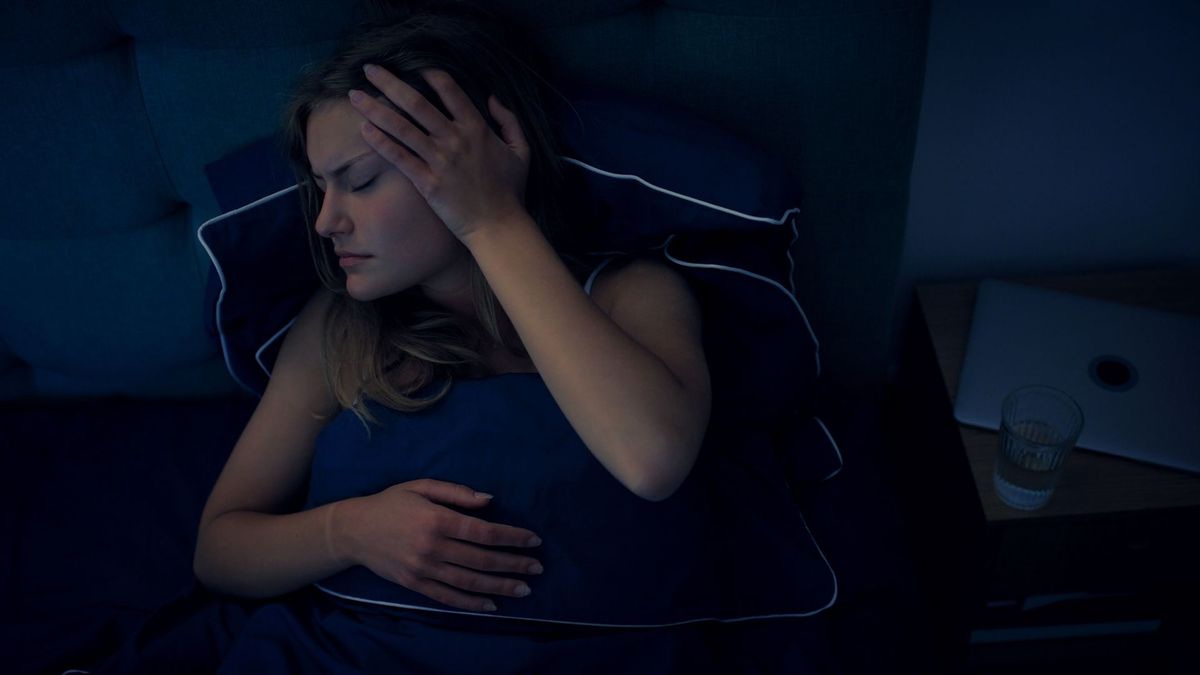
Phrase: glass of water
pixel 1038 427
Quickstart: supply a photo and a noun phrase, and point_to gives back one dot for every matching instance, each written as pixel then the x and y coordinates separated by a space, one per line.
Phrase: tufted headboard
pixel 115 106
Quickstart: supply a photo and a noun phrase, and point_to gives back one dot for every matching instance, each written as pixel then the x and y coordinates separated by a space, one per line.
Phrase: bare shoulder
pixel 300 366
pixel 655 305
pixel 622 279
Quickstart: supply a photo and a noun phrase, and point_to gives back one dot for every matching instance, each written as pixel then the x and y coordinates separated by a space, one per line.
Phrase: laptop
pixel 1134 371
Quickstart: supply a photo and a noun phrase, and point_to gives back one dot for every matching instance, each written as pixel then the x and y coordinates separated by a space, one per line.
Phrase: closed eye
pixel 363 186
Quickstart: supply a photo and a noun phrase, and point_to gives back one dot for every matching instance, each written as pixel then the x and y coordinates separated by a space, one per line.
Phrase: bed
pixel 119 407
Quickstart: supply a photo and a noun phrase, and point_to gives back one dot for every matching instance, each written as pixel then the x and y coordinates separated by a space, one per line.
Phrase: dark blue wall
pixel 1055 137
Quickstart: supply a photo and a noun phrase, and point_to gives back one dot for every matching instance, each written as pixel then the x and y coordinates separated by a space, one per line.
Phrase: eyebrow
pixel 345 165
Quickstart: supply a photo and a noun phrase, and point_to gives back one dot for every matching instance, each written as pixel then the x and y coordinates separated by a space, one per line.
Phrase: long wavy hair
pixel 364 341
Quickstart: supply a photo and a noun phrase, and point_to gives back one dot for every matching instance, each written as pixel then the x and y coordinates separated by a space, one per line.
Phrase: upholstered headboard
pixel 114 108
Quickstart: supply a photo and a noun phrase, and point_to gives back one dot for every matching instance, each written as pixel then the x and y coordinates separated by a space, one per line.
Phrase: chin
pixel 368 292
pixel 358 292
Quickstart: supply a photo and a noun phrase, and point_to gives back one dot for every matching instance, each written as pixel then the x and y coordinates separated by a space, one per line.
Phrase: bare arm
pixel 631 378
pixel 248 543
pixel 258 555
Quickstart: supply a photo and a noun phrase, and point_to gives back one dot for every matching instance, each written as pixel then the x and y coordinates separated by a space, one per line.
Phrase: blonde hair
pixel 363 341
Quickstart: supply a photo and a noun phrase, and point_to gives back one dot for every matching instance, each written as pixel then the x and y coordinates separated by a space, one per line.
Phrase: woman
pixel 452 293
pixel 425 238
pixel 414 174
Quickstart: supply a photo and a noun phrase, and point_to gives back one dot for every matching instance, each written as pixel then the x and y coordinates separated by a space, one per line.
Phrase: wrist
pixel 497 226
pixel 338 538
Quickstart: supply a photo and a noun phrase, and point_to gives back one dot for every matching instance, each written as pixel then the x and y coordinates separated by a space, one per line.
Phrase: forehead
pixel 332 136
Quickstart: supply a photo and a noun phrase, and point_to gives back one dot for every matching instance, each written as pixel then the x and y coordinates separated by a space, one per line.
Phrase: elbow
pixel 663 479
pixel 200 568
pixel 202 577
pixel 197 560
pixel 655 493
pixel 665 469
pixel 203 565
pixel 214 583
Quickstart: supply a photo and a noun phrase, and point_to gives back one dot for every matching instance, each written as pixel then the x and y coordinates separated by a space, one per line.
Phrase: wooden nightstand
pixel 1116 551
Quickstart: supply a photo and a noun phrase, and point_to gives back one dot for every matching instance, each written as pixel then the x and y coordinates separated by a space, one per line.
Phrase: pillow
pixel 262 272
pixel 730 544
pixel 646 170
pixel 642 178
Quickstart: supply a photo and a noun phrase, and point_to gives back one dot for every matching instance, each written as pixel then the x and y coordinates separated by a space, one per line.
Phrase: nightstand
pixel 1115 554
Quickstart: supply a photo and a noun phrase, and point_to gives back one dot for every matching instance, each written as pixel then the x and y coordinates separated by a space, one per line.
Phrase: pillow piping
pixel 221 277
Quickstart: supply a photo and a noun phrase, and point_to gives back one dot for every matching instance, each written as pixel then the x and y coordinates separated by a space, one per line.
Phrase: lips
pixel 350 260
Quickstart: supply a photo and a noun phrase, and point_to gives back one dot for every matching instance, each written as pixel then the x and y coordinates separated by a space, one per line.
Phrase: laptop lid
pixel 1135 371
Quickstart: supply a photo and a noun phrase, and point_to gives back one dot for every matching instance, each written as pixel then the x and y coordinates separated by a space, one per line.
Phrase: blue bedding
pixel 315 634
pixel 105 497
pixel 631 586
pixel 311 632
pixel 730 544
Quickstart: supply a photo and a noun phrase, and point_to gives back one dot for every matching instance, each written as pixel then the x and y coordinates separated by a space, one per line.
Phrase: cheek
pixel 423 245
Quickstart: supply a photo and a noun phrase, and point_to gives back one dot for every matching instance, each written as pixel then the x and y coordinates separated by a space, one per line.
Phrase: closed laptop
pixel 1135 371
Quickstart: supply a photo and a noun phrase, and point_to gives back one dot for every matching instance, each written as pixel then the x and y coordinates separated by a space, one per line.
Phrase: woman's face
pixel 372 208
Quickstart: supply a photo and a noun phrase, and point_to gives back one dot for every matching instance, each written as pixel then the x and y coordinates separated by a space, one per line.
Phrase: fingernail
pixel 490 606
pixel 355 95
pixel 370 68
pixel 483 495
pixel 523 591
pixel 535 541
pixel 536 568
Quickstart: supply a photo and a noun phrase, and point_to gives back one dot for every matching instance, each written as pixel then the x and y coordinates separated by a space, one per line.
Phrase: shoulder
pixel 309 326
pixel 302 342
pixel 655 305
pixel 300 365
pixel 637 277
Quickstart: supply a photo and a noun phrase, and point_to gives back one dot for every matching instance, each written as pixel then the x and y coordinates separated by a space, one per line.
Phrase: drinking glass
pixel 1038 428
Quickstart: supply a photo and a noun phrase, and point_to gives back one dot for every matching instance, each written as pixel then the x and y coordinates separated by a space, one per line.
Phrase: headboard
pixel 116 106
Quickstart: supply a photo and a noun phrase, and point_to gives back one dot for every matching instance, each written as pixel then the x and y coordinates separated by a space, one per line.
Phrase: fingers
pixel 475 558
pixel 442 580
pixel 380 117
pixel 452 96
pixel 470 580
pixel 410 100
pixel 445 582
pixel 449 596
pixel 446 492
pixel 469 528
pixel 510 128
pixel 466 527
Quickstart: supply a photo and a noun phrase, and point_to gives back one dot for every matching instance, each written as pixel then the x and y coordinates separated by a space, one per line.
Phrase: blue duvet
pixel 730 544
pixel 630 586
pixel 722 577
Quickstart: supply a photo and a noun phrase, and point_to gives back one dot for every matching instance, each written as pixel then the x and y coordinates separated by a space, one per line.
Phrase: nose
pixel 330 219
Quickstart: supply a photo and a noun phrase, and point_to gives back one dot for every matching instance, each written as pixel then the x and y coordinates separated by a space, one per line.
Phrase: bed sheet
pixel 103 499
pixel 101 502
